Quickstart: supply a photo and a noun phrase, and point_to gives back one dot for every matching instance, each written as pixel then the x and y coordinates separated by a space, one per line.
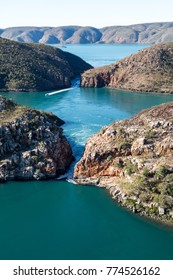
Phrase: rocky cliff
pixel 32 145
pixel 36 67
pixel 147 33
pixel 149 70
pixel 132 158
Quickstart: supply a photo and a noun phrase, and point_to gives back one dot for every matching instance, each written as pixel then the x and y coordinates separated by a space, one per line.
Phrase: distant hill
pixel 147 33
pixel 36 67
pixel 149 70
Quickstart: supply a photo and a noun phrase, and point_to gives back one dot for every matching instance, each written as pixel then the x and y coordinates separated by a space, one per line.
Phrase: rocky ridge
pixel 36 67
pixel 149 70
pixel 132 158
pixel 147 33
pixel 32 145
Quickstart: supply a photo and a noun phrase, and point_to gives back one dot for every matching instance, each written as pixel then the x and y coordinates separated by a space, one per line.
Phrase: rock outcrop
pixel 133 159
pixel 36 67
pixel 146 33
pixel 32 145
pixel 149 70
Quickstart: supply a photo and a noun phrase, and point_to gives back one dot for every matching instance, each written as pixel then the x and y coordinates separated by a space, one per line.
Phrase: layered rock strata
pixel 32 145
pixel 133 159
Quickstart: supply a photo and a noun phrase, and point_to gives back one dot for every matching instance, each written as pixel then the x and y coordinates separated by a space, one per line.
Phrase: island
pixel 132 158
pixel 32 144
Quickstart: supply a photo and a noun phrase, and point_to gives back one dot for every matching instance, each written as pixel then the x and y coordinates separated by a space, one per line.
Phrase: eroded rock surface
pixel 149 70
pixel 32 145
pixel 133 158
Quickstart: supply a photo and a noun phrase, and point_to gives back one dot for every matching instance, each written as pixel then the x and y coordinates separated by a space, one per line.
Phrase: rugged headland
pixel 32 145
pixel 145 33
pixel 132 158
pixel 36 67
pixel 149 70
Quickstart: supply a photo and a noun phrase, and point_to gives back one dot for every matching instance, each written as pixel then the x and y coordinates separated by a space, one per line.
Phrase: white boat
pixel 58 91
pixel 71 181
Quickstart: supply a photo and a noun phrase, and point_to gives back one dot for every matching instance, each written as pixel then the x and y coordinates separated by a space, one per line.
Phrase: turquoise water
pixel 60 220
pixel 99 55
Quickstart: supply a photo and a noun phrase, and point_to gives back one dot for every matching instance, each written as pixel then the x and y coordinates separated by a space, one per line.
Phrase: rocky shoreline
pixel 149 71
pixel 132 159
pixel 121 198
pixel 32 144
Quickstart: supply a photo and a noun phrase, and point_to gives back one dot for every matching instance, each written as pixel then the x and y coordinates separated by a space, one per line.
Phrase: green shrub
pixel 109 158
pixel 119 164
pixel 140 182
pixel 130 202
pixel 161 172
pixel 155 197
pixel 169 178
pixel 131 168
pixel 146 172
pixel 139 207
pixel 34 159
pixel 145 197
pixel 170 189
pixel 124 145
pixel 150 134
pixel 153 210
pixel 166 201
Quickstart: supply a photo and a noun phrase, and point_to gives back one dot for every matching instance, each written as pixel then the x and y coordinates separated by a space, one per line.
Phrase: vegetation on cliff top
pixel 32 145
pixel 149 70
pixel 133 159
pixel 36 67
pixel 9 111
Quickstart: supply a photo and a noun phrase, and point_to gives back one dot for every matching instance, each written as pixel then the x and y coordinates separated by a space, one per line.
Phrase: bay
pixel 59 220
pixel 100 54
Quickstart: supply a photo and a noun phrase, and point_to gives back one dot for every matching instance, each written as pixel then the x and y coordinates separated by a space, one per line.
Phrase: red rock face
pixel 150 70
pixel 133 159
pixel 147 134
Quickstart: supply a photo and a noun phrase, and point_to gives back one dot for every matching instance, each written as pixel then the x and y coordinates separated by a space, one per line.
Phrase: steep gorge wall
pixel 149 70
pixel 32 145
pixel 133 160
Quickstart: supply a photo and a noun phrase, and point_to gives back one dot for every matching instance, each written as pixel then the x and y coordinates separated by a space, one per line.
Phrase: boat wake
pixel 75 84
pixel 58 91
pixel 67 177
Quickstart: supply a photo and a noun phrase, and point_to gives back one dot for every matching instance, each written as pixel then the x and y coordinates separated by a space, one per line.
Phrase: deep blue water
pixel 60 220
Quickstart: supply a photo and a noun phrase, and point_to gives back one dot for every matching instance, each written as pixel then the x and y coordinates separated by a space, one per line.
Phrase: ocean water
pixel 100 54
pixel 60 220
